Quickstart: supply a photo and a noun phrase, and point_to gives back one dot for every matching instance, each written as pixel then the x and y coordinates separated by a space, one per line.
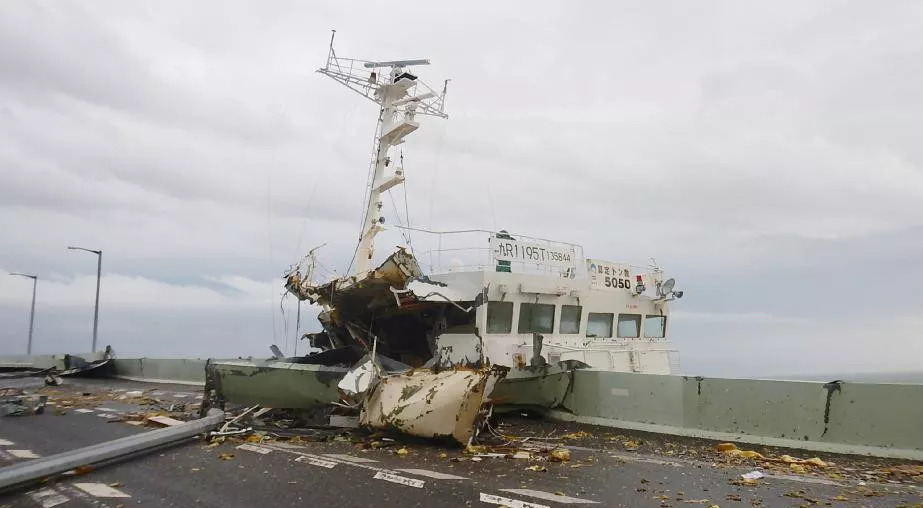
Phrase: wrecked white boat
pixel 428 352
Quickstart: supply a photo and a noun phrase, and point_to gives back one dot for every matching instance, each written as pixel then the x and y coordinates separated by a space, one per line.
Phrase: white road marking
pixel 402 480
pixel 316 462
pixel 254 448
pixel 108 409
pixel 549 496
pixel 23 454
pixel 511 503
pixel 48 497
pixel 107 416
pixel 4 442
pixel 100 490
pixel 181 395
pixel 83 410
pixel 198 397
pixel 432 474
pixel 288 446
pixel 349 458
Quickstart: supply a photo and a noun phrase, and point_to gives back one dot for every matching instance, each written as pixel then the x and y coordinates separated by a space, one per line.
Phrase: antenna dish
pixel 667 286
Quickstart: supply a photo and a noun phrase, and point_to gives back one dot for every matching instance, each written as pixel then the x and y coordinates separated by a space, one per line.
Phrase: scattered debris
pixel 559 455
pixel 752 475
pixel 537 468
pixel 164 420
pixel 23 405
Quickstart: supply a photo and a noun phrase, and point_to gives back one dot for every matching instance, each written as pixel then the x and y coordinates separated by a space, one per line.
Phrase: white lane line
pixel 181 395
pixel 108 409
pixel 4 442
pixel 349 458
pixel 549 496
pixel 83 410
pixel 402 480
pixel 316 462
pixel 254 448
pixel 288 446
pixel 100 490
pixel 107 416
pixel 511 503
pixel 48 497
pixel 198 397
pixel 23 454
pixel 432 474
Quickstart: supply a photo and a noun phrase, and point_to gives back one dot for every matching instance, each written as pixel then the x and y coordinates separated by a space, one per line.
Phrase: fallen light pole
pixel 26 473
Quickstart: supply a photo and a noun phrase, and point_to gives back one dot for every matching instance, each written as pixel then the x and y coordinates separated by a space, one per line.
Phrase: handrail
pixel 458 231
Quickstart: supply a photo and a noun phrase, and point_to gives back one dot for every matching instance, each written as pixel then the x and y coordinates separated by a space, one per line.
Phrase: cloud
pixel 767 156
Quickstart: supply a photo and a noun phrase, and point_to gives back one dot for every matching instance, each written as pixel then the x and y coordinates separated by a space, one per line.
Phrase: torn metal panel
pixel 272 383
pixel 430 404
pixel 543 386
pixel 400 267
pixel 433 291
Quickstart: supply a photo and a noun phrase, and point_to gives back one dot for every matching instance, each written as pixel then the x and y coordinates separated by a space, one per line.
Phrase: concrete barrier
pixel 42 362
pixel 189 371
pixel 870 419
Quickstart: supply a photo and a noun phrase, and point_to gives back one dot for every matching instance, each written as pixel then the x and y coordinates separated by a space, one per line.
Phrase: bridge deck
pixel 606 467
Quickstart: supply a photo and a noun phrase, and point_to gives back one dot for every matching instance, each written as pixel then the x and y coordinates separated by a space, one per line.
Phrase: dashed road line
pixel 4 442
pixel 108 410
pixel 511 503
pixel 100 490
pixel 432 474
pixel 83 410
pixel 47 497
pixel 316 462
pixel 402 480
pixel 254 448
pixel 349 458
pixel 23 454
pixel 549 496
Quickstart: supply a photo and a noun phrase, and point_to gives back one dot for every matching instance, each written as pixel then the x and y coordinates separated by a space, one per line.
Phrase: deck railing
pixel 469 250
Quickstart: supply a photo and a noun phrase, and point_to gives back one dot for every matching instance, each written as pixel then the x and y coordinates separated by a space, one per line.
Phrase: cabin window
pixel 499 317
pixel 655 327
pixel 459 321
pixel 536 318
pixel 599 325
pixel 570 319
pixel 629 326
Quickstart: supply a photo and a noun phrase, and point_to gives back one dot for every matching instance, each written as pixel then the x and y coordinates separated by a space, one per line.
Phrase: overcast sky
pixel 768 155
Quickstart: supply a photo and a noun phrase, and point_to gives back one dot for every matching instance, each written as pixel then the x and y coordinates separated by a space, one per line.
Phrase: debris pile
pixel 15 402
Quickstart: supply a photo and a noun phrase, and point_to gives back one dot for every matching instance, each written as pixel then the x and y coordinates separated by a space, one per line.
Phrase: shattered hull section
pixel 541 387
pixel 273 383
pixel 431 404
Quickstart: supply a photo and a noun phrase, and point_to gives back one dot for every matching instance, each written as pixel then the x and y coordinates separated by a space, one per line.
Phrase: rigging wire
pixel 406 208
pixel 271 256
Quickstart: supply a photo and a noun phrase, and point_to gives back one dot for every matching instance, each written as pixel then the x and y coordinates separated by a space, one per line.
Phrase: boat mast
pixel 400 96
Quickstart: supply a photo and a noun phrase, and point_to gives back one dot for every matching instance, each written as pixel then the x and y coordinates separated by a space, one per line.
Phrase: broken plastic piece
pixel 752 475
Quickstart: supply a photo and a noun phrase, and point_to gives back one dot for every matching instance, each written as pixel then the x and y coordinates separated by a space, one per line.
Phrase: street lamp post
pixel 99 269
pixel 32 314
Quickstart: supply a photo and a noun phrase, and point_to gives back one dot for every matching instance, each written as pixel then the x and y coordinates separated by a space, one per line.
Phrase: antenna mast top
pixel 401 96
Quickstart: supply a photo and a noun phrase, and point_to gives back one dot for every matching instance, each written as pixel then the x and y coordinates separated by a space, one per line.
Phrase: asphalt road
pixel 341 474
